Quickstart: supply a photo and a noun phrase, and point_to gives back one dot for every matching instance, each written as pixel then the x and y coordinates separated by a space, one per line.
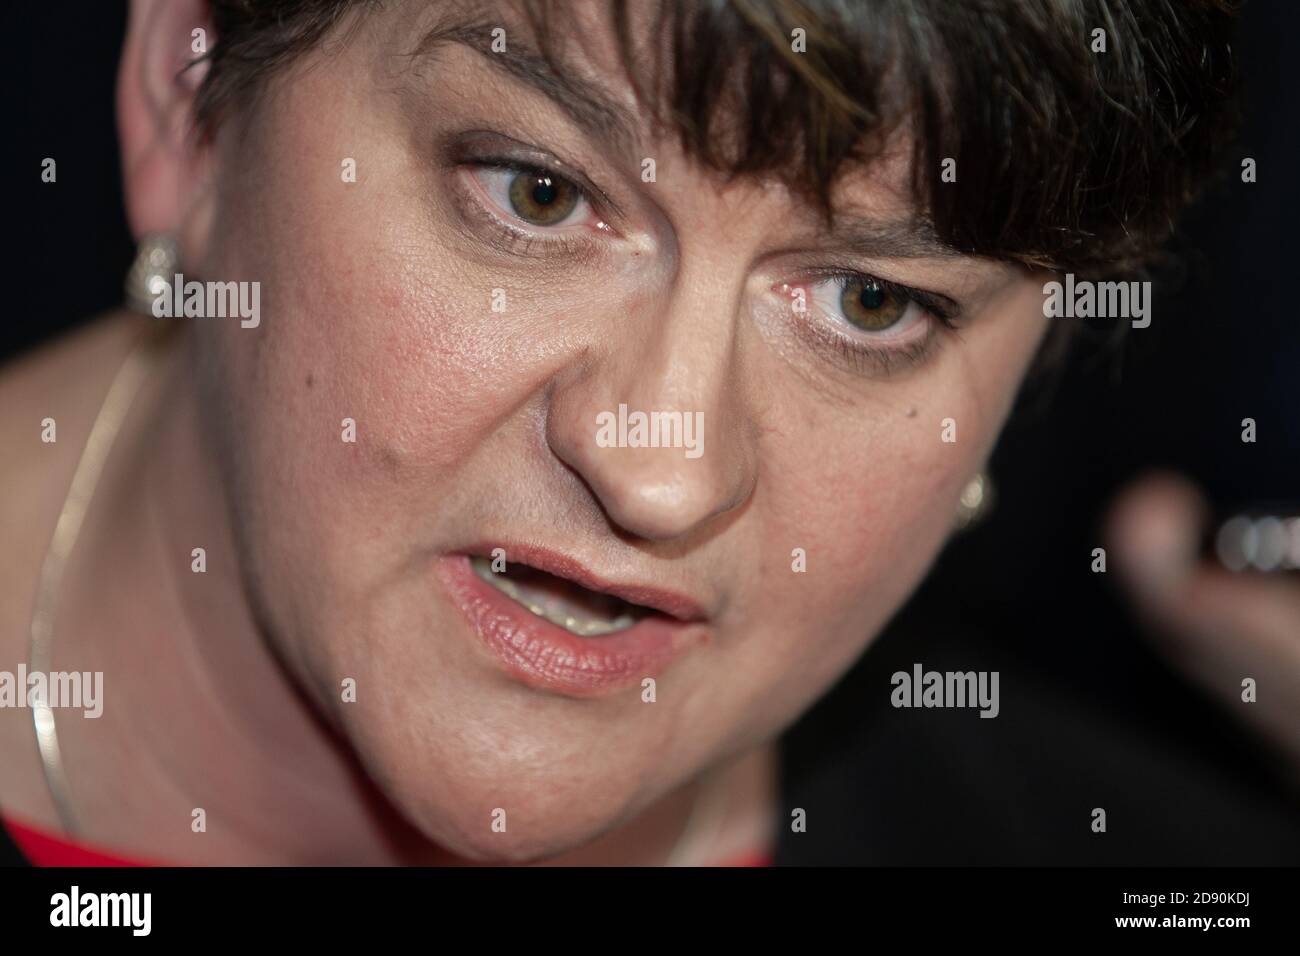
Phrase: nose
pixel 654 419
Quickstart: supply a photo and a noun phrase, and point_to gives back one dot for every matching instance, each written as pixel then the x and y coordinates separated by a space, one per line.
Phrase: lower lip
pixel 546 656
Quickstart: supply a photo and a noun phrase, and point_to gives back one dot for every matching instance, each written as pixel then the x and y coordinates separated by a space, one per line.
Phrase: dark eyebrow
pixel 590 108
pixel 584 101
pixel 893 239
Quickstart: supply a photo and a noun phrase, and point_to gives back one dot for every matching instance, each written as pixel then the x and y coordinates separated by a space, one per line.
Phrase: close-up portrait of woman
pixel 697 433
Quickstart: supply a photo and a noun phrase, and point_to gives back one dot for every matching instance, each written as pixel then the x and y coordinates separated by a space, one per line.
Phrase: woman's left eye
pixel 867 304
pixel 533 196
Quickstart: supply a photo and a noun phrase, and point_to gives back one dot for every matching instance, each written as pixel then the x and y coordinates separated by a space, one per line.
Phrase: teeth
pixel 583 626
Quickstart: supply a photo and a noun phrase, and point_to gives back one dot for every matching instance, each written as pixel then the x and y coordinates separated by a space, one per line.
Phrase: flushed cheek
pixel 382 385
pixel 362 318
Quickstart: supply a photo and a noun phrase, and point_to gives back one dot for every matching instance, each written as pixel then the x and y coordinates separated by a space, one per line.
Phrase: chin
pixel 543 818
pixel 453 763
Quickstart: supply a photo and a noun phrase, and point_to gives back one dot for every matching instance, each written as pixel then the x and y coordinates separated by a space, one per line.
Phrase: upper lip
pixel 672 603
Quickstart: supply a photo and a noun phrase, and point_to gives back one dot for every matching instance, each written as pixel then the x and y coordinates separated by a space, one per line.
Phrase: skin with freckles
pixel 476 426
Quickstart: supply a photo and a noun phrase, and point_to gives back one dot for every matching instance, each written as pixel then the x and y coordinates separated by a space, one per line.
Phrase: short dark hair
pixel 1065 157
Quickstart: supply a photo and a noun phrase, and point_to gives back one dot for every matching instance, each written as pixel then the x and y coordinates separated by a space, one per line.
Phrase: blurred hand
pixel 1216 626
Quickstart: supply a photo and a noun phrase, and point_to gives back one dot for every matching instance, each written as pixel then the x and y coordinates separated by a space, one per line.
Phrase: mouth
pixel 556 626
pixel 563 602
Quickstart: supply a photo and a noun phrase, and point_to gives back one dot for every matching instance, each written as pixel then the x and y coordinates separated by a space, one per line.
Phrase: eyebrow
pixel 592 110
pixel 584 102
pixel 913 238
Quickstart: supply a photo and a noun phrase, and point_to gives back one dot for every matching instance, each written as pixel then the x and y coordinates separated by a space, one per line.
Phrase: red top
pixel 47 849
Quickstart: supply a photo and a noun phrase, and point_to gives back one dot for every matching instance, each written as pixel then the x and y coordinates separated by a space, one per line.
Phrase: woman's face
pixel 474 321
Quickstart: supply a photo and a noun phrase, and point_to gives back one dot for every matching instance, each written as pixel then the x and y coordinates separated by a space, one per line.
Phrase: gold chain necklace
pixel 126 383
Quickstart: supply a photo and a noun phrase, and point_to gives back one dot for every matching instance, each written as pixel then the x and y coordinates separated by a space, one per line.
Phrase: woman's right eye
pixel 533 196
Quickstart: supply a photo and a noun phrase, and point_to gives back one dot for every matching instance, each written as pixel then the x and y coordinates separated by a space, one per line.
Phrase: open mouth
pixel 566 629
pixel 562 602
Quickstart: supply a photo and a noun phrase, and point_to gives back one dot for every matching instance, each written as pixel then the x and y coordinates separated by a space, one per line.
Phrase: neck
pixel 200 714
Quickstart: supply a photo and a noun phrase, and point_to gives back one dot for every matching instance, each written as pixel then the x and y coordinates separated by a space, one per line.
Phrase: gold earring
pixel 155 265
pixel 976 501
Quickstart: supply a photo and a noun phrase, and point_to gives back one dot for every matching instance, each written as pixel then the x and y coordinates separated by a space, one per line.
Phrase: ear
pixel 162 163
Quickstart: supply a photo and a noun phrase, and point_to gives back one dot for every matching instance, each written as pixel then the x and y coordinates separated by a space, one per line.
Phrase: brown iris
pixel 539 198
pixel 870 306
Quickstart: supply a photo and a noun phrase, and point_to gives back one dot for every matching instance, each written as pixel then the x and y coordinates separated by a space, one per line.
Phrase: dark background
pixel 1090 717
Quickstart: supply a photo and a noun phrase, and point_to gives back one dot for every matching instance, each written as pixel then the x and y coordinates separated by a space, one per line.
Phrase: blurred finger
pixel 1218 627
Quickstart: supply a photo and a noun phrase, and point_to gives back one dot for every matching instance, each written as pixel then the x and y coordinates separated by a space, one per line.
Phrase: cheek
pixel 358 326
pixel 870 493
pixel 870 531
pixel 864 499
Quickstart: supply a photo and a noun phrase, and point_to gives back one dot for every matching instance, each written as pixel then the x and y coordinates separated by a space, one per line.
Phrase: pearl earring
pixel 976 501
pixel 156 261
